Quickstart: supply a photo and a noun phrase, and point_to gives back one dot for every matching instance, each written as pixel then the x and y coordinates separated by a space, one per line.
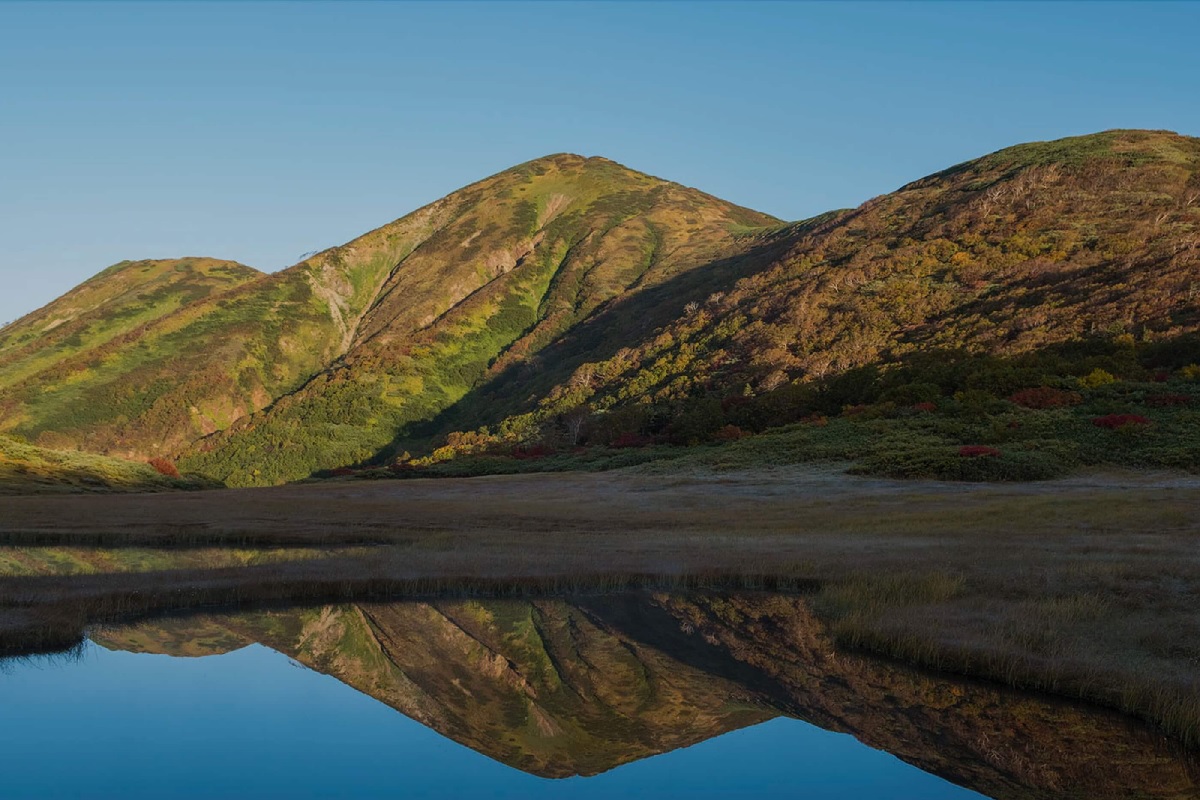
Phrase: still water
pixel 252 724
pixel 637 695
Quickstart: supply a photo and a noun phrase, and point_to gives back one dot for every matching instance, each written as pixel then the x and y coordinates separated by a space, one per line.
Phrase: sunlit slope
pixel 115 303
pixel 26 469
pixel 519 261
pixel 196 366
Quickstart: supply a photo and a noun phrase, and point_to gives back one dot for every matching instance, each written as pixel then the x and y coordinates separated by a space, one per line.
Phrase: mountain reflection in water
pixel 581 686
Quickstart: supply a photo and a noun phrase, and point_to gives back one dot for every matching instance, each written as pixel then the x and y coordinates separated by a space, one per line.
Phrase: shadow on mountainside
pixel 622 322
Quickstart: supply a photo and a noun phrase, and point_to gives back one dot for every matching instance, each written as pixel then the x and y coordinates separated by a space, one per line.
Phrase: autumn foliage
pixel 730 433
pixel 164 467
pixel 1045 397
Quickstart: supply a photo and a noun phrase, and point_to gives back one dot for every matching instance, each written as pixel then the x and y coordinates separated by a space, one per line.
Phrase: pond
pixel 639 694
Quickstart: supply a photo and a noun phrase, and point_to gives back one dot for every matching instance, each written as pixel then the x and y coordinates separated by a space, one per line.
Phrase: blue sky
pixel 259 132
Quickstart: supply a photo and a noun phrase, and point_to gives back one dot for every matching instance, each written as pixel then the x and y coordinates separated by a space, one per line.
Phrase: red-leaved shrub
pixel 630 439
pixel 976 450
pixel 1116 421
pixel 531 452
pixel 341 472
pixel 164 467
pixel 926 406
pixel 1045 397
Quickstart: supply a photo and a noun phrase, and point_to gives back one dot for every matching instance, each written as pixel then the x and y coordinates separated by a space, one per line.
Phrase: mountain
pixel 1095 237
pixel 403 319
pixel 572 301
pixel 528 256
pixel 579 686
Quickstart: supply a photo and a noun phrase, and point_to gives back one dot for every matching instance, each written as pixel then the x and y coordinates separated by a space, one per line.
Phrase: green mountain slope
pixel 189 372
pixel 119 301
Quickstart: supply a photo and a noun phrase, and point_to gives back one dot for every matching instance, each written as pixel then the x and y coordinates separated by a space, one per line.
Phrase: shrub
pixel 946 464
pixel 926 407
pixel 976 450
pixel 733 401
pixel 341 472
pixel 1191 372
pixel 913 393
pixel 730 433
pixel 1045 397
pixel 978 403
pixel 1097 378
pixel 629 439
pixel 164 467
pixel 1117 421
pixel 532 452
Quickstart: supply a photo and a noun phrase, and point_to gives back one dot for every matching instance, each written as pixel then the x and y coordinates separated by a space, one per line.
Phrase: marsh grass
pixel 46 614
pixel 82 560
pixel 1087 645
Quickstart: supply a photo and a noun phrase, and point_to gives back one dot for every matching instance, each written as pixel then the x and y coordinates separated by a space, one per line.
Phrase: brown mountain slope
pixel 1036 245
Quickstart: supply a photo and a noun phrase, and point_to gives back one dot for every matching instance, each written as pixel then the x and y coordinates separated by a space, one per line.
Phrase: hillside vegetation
pixel 1057 275
pixel 1006 303
pixel 535 253
pixel 26 469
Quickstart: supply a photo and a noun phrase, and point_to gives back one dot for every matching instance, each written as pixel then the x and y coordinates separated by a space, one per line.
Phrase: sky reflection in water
pixel 253 723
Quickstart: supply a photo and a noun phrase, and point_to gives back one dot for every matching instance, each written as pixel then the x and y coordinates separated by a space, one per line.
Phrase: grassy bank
pixel 27 469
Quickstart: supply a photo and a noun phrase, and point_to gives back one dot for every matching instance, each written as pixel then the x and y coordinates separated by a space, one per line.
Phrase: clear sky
pixel 259 132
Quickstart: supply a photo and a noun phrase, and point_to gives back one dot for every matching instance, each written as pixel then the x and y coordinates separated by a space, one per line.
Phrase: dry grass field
pixel 1086 587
